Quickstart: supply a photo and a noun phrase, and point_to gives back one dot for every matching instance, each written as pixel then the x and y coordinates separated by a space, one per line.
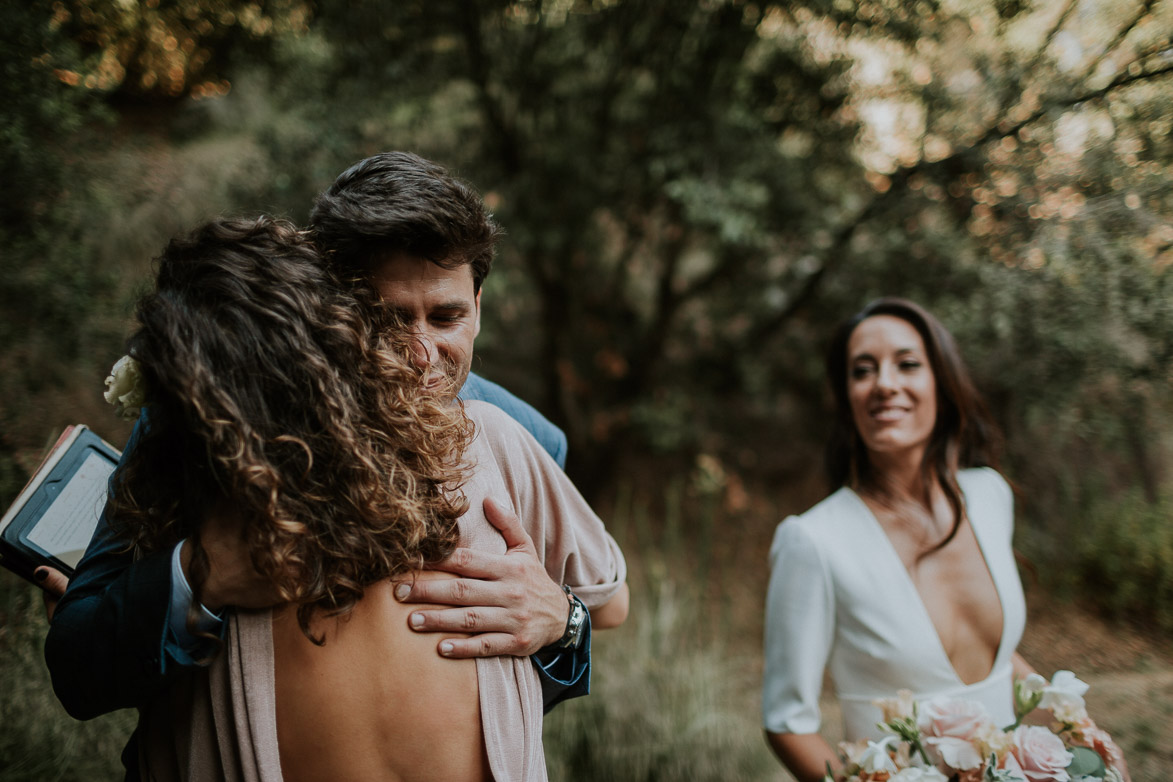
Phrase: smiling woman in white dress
pixel 904 578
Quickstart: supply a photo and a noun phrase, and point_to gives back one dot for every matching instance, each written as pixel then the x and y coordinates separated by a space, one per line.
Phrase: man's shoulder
pixel 551 438
pixel 478 388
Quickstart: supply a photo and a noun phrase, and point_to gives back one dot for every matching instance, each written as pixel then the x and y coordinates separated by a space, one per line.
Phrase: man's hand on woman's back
pixel 507 601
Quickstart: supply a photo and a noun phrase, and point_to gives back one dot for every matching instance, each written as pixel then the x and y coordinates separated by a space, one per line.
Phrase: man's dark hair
pixel 397 202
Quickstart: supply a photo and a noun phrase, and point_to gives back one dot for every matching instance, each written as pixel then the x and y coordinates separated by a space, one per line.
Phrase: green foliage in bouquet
pixel 995 774
pixel 908 730
pixel 1026 700
pixel 1086 763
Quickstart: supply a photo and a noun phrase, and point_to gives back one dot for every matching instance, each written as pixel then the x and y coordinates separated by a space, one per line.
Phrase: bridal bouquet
pixel 944 740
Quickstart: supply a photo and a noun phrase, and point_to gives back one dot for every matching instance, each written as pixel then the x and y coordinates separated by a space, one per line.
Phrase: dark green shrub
pixel 1124 558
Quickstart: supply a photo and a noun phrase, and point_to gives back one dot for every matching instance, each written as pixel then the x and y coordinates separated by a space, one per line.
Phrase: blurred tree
pixel 166 49
pixel 633 153
pixel 694 190
pixel 43 284
pixel 73 67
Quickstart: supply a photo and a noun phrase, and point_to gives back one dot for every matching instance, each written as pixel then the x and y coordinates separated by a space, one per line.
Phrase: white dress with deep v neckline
pixel 841 600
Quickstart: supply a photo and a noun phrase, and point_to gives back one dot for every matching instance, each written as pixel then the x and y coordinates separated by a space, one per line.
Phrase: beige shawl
pixel 219 723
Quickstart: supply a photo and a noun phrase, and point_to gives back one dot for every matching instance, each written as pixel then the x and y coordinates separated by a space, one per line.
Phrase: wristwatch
pixel 574 623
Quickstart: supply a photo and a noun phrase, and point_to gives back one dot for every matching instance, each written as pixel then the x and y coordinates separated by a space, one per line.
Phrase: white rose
pixel 876 759
pixel 992 740
pixel 1033 684
pixel 124 388
pixel 1064 697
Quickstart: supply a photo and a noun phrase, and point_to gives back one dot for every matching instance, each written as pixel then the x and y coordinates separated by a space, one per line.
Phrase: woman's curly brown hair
pixel 279 398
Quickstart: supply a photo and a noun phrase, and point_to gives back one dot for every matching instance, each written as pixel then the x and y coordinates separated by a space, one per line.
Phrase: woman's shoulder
pixel 492 423
pixel 511 444
pixel 824 523
pixel 841 506
pixel 984 482
pixel 479 410
pixel 989 499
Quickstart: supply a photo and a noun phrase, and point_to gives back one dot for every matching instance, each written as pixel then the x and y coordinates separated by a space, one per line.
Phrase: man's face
pixel 440 308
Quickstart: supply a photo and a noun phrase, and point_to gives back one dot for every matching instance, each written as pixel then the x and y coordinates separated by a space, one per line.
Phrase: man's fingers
pixel 507 523
pixel 507 602
pixel 471 563
pixel 484 645
pixel 53 581
pixel 449 591
pixel 475 619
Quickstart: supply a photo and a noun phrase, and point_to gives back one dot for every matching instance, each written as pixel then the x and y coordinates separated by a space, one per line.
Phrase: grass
pixel 670 700
pixel 675 690
pixel 39 742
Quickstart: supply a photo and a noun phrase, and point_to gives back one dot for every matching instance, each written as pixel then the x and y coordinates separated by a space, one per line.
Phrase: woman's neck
pixel 901 475
pixel 909 496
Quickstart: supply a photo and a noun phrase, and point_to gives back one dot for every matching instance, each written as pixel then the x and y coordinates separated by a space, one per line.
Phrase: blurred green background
pixel 694 193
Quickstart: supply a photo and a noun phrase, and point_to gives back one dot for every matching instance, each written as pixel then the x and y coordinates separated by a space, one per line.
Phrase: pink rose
pixel 1010 764
pixel 1040 754
pixel 959 719
pixel 955 754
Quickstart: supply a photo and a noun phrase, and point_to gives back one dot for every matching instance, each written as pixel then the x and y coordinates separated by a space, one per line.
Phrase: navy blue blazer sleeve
pixel 105 648
pixel 563 674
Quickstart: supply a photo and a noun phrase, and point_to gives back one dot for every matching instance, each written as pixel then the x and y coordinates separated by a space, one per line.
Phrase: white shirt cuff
pixel 181 599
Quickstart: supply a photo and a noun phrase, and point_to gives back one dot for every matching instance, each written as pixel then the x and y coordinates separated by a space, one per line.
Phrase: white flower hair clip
pixel 125 389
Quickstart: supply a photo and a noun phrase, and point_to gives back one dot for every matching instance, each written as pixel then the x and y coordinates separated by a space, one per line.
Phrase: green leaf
pixel 1085 763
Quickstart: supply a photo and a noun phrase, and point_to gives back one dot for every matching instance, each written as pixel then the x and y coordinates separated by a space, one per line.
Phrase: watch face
pixel 574 623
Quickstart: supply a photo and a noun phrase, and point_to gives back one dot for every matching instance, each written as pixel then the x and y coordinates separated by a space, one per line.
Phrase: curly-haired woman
pixel 283 408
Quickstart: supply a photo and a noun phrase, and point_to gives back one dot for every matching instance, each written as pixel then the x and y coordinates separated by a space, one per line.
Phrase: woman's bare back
pixel 376 701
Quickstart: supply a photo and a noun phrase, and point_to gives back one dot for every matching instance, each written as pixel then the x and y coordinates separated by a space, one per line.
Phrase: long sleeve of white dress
pixel 800 628
pixel 841 600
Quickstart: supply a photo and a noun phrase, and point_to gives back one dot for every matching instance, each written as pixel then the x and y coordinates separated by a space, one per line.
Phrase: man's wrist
pixel 575 621
pixel 208 598
pixel 182 600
